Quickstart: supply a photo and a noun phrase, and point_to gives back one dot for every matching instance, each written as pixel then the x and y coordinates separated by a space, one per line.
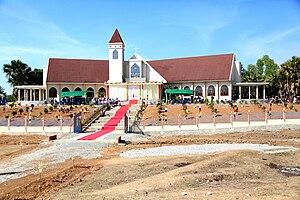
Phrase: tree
pixel 2 92
pixel 270 74
pixel 19 73
pixel 265 70
pixel 36 77
pixel 10 98
pixel 289 77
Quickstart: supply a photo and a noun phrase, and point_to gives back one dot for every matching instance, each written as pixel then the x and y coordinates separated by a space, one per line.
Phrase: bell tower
pixel 116 57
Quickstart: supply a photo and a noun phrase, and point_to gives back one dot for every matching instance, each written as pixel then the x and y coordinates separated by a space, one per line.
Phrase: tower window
pixel 115 54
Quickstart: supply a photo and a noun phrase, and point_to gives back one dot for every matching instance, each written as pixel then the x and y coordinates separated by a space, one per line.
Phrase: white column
pixel 19 94
pixel 204 91
pixel 30 94
pixel 25 95
pixel 230 91
pixel 249 92
pixel 264 92
pixel 40 95
pixel 256 92
pixel 217 91
pixel 33 94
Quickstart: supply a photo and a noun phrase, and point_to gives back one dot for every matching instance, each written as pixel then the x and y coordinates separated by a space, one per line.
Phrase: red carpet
pixel 108 126
pixel 133 101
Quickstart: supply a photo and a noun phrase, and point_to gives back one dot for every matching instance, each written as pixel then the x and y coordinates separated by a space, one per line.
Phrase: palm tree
pixel 289 77
pixel 17 72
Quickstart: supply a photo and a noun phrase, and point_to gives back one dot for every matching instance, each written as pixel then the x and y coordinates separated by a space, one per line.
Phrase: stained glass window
pixel 135 71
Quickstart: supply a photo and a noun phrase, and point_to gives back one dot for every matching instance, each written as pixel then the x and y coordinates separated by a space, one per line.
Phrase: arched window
pixel 52 92
pixel 115 54
pixel 186 88
pixel 224 90
pixel 198 91
pixel 211 91
pixel 78 89
pixel 135 71
pixel 176 88
pixel 90 92
pixel 65 89
pixel 102 92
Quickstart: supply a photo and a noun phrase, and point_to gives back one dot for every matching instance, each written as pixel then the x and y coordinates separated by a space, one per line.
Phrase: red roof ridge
pixel 116 37
pixel 77 59
pixel 188 57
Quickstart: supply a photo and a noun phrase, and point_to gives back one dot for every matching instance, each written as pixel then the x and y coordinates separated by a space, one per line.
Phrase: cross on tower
pixel 135 50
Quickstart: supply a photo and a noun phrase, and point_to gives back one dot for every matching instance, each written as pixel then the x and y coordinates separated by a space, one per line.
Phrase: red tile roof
pixel 116 38
pixel 77 70
pixel 215 67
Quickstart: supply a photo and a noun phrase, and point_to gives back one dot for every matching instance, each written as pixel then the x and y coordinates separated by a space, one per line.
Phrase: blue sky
pixel 34 30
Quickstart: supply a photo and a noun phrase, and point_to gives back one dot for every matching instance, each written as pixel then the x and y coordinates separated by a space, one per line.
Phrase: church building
pixel 215 76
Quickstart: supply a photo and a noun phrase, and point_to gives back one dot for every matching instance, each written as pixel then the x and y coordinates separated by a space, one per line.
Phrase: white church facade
pixel 215 76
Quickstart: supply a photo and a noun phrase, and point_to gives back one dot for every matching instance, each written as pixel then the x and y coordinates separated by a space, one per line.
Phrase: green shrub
pixel 41 113
pixel 14 112
pixel 45 110
pixel 21 111
pixel 291 106
pixel 55 105
pixel 51 108
pixel 27 108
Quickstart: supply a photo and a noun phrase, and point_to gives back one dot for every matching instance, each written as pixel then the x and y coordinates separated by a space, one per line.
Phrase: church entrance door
pixel 133 92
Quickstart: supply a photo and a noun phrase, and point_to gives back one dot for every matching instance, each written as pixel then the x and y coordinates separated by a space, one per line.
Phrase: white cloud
pixel 274 44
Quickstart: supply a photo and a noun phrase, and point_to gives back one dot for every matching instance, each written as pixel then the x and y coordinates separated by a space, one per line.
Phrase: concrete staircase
pixel 99 123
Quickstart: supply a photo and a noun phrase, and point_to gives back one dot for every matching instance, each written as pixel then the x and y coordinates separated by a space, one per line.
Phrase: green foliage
pixel 291 106
pixel 27 108
pixel 54 106
pixel 50 108
pixel 45 110
pixel 10 98
pixel 19 73
pixel 41 113
pixel 21 111
pixel 13 112
pixel 289 77
pixel 265 70
pixel 2 92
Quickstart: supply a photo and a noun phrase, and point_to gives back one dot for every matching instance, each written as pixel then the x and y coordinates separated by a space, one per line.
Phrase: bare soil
pixel 151 114
pixel 225 175
pixel 38 112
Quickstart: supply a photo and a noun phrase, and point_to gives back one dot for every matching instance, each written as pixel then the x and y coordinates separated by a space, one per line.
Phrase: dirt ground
pixel 38 112
pixel 225 175
pixel 151 115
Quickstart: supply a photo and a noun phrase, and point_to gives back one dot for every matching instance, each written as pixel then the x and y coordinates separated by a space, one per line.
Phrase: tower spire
pixel 116 37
